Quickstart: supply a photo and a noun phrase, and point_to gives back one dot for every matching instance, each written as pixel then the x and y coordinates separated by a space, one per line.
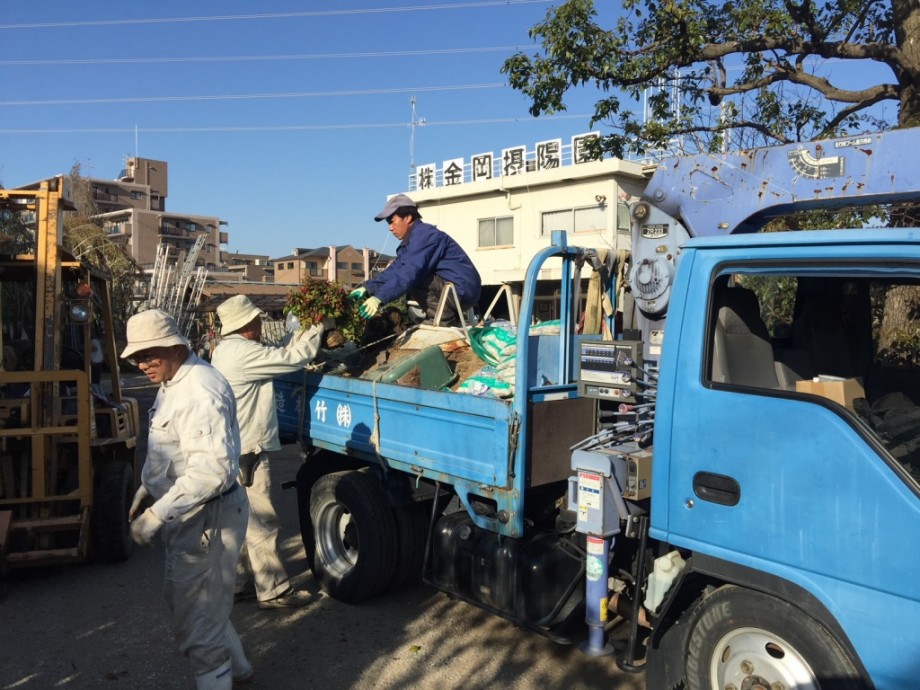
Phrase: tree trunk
pixel 906 15
pixel 899 320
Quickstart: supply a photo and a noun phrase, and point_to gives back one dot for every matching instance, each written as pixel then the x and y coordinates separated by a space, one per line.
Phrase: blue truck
pixel 734 470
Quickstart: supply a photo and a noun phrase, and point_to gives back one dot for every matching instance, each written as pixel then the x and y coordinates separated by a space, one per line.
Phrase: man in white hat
pixel 426 260
pixel 250 367
pixel 193 449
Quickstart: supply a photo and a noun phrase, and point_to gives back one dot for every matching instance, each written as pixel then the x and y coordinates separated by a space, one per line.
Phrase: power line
pixel 293 128
pixel 274 15
pixel 256 58
pixel 255 96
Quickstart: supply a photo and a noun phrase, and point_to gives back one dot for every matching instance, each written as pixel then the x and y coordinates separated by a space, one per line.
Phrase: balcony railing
pixel 99 195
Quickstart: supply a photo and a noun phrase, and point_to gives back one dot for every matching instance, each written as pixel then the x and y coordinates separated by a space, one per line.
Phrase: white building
pixel 502 210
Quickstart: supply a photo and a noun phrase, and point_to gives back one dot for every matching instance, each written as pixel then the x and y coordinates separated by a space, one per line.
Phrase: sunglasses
pixel 144 357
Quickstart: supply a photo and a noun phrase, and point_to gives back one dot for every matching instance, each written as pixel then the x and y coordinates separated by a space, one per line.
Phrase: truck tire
pixel 111 532
pixel 742 638
pixel 411 532
pixel 354 536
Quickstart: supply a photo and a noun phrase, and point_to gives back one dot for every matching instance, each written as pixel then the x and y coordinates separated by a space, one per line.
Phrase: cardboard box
pixel 841 391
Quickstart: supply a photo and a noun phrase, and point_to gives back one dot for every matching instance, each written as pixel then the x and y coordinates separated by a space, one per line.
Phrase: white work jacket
pixel 193 443
pixel 250 367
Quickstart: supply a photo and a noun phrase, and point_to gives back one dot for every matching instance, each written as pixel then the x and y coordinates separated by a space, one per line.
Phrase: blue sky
pixel 317 133
pixel 289 120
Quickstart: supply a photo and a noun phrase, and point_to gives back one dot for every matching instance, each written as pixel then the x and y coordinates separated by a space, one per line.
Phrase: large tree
pixel 757 69
pixel 85 238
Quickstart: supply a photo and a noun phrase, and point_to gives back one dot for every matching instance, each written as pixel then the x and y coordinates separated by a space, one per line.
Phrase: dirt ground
pixel 105 626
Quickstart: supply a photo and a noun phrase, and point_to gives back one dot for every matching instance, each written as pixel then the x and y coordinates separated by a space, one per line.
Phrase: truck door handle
pixel 716 488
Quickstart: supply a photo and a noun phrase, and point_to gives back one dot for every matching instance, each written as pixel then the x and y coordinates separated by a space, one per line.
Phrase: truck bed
pixel 444 435
pixel 487 449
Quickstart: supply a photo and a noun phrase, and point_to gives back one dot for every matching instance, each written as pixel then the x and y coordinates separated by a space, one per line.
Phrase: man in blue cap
pixel 426 260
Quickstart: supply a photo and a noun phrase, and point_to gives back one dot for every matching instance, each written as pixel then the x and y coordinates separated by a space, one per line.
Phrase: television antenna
pixel 415 121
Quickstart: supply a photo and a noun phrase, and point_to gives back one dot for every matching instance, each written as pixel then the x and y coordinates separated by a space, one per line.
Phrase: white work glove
pixel 145 528
pixel 369 308
pixel 357 293
pixel 139 498
pixel 291 323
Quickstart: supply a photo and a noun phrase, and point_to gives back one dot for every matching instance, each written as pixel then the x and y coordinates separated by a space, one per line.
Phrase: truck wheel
pixel 411 531
pixel 111 532
pixel 745 639
pixel 355 536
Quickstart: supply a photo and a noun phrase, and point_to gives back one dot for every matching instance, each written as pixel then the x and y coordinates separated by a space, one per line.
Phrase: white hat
pixel 152 328
pixel 235 313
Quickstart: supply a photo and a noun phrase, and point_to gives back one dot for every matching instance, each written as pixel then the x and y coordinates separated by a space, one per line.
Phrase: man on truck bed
pixel 249 366
pixel 426 260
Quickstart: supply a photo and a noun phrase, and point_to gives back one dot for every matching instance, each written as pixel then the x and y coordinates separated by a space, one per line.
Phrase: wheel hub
pixel 754 659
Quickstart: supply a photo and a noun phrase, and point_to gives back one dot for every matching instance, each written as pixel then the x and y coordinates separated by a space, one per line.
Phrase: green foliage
pixel 776 295
pixel 316 299
pixel 746 74
pixel 15 235
pixel 831 219
pixel 89 243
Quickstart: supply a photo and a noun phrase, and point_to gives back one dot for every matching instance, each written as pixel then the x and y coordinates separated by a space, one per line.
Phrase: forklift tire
pixel 743 638
pixel 354 530
pixel 111 532
pixel 411 532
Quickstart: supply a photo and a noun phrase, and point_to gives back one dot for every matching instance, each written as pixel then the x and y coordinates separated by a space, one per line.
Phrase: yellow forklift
pixel 68 437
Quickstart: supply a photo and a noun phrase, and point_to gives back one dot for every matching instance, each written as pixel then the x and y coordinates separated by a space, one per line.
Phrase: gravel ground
pixel 105 626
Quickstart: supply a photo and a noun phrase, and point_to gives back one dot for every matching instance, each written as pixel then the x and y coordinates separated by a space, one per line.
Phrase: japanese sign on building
pixel 549 154
pixel 546 155
pixel 482 166
pixel 453 172
pixel 580 152
pixel 514 161
pixel 425 176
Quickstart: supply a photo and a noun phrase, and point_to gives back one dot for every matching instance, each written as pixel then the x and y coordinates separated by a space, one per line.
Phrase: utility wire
pixel 256 96
pixel 274 15
pixel 257 58
pixel 290 128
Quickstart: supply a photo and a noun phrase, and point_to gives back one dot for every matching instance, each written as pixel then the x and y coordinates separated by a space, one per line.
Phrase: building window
pixel 357 267
pixel 136 195
pixel 591 219
pixel 587 219
pixel 341 265
pixel 623 218
pixel 496 232
pixel 290 265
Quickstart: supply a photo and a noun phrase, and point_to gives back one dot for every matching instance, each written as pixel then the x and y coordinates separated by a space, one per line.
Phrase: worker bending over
pixel 426 260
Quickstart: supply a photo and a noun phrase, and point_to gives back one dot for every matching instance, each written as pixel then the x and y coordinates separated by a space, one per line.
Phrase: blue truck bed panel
pixel 440 434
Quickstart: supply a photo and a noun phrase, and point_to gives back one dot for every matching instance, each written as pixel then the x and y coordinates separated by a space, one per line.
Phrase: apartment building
pixel 344 264
pixel 133 212
pixel 251 268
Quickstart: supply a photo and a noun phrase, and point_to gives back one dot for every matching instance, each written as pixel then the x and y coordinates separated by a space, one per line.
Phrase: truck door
pixel 794 448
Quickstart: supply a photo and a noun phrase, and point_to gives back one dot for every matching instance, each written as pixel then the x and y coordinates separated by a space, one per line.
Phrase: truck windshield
pixel 854 340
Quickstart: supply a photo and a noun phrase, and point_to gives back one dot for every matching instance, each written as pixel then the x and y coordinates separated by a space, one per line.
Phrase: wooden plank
pixel 42 557
pixel 6 519
pixel 53 524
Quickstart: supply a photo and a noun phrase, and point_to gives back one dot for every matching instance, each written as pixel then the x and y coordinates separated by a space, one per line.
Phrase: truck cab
pixel 786 440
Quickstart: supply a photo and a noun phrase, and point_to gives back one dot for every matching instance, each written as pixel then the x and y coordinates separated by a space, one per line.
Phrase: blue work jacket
pixel 426 250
